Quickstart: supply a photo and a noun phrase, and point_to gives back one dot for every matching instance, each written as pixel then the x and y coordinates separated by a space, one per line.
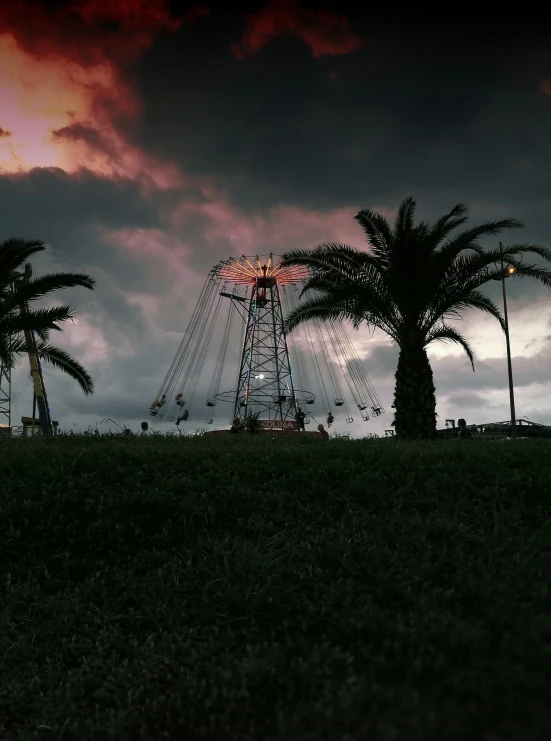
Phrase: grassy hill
pixel 270 589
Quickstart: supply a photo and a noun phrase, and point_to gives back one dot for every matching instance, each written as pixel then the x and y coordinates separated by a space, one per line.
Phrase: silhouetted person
pixel 323 432
pixel 300 417
pixel 158 404
pixel 330 419
pixel 145 428
pixel 462 431
pixel 182 418
pixel 238 425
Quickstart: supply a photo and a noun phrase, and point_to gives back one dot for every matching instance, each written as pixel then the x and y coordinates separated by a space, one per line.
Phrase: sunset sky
pixel 146 141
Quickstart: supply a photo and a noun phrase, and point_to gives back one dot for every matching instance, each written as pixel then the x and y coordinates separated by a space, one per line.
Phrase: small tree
pixel 14 322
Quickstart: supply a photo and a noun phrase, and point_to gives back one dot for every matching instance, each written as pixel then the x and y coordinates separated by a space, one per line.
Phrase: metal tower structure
pixel 5 398
pixel 265 379
pixel 265 382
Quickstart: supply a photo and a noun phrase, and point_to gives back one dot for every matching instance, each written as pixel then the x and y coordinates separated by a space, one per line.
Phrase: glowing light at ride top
pixel 242 271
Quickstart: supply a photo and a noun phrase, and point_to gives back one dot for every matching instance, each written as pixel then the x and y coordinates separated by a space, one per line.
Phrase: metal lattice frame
pixel 265 381
pixel 5 397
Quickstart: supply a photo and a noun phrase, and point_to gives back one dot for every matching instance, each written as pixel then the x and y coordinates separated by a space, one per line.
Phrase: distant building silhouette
pixel 525 428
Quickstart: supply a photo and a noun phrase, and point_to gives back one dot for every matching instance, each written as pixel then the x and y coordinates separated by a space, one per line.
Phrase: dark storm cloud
pixel 471 127
pixel 277 129
pixel 50 196
pixel 326 33
pixel 70 213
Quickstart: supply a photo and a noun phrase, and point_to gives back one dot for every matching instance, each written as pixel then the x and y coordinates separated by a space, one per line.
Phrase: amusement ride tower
pixel 271 380
pixel 265 379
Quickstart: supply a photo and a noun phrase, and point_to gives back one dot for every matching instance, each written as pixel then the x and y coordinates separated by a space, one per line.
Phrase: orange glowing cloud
pixel 546 87
pixel 327 34
pixel 66 96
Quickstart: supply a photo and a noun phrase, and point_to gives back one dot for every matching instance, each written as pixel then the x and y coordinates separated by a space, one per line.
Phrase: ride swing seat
pixel 376 411
pixel 242 403
pixel 307 420
pixel 339 402
pixel 349 420
pixel 310 401
pixel 211 403
pixel 362 405
pixel 209 421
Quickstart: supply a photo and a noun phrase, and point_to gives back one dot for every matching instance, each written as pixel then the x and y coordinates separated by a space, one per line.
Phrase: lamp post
pixel 510 271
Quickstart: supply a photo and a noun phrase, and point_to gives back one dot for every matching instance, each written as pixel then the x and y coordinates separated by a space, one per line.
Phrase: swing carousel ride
pixel 237 331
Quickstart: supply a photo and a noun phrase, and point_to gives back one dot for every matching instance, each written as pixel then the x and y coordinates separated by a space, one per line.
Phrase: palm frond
pixel 521 249
pixel 475 300
pixel 37 288
pixel 349 275
pixel 44 334
pixel 61 360
pixel 331 307
pixel 377 230
pixel 345 269
pixel 467 240
pixel 37 320
pixel 405 218
pixel 445 333
pixel 13 254
pixel 447 223
pixel 328 258
pixel 472 271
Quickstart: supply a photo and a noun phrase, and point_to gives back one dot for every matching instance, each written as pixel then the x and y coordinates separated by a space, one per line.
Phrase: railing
pixel 13 431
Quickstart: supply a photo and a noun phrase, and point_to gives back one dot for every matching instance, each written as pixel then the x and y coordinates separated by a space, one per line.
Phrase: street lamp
pixel 510 271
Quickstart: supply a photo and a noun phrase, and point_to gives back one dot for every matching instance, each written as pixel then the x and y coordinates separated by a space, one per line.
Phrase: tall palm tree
pixel 16 293
pixel 411 280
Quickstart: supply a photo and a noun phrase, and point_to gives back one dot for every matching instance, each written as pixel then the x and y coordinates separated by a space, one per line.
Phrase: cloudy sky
pixel 145 141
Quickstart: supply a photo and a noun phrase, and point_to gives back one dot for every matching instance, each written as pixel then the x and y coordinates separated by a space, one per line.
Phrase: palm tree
pixel 17 290
pixel 411 280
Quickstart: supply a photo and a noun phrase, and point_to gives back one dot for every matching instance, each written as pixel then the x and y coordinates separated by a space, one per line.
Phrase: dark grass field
pixel 271 589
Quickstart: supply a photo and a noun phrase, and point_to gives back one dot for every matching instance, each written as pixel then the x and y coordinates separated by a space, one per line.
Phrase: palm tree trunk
pixel 414 398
